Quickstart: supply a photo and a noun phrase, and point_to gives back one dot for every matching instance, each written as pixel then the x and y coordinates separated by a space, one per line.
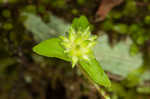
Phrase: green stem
pixel 100 90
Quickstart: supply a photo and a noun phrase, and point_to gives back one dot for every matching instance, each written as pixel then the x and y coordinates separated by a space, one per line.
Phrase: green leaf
pixel 41 30
pixel 116 87
pixel 144 89
pixel 95 72
pixel 121 28
pixel 80 24
pixel 117 59
pixel 135 76
pixel 51 48
pixel 4 64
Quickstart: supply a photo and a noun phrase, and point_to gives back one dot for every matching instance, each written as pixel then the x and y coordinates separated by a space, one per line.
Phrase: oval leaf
pixel 95 72
pixel 51 48
pixel 80 24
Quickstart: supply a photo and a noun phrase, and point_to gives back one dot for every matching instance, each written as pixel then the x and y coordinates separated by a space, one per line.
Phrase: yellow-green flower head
pixel 78 44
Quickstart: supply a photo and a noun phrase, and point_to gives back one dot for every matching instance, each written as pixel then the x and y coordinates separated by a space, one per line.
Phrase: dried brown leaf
pixel 105 7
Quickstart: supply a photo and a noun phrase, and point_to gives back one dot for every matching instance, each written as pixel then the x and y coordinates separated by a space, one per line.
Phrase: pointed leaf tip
pixel 95 72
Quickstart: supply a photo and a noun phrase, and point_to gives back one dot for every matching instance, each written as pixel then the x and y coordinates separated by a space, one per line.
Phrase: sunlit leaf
pixel 80 24
pixel 95 72
pixel 51 48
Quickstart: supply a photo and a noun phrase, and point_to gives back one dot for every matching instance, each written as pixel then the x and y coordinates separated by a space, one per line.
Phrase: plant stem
pixel 100 90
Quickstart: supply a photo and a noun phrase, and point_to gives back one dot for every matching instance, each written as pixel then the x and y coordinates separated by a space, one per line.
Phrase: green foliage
pixel 134 28
pixel 58 3
pixel 20 31
pixel 79 37
pixel 95 72
pixel 121 28
pixel 41 30
pixel 131 8
pixel 115 14
pixel 51 48
pixel 81 2
pixel 5 63
pixel 107 25
pixel 147 19
pixel 127 21
pixel 118 89
pixel 79 42
pixel 30 8
pixel 117 59
pixel 7 26
pixel 6 13
pixel 144 89
pixel 75 11
pixel 80 24
pixel 133 49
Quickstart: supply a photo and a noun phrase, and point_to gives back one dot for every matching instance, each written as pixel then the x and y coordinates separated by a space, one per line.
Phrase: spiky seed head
pixel 78 44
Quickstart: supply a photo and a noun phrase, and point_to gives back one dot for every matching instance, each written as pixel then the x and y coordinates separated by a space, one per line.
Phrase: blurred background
pixel 123 48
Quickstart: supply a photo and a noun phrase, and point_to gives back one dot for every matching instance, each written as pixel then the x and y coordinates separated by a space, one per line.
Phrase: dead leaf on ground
pixel 105 7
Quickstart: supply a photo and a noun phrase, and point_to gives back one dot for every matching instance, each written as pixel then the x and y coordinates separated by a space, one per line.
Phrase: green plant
pixel 76 47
